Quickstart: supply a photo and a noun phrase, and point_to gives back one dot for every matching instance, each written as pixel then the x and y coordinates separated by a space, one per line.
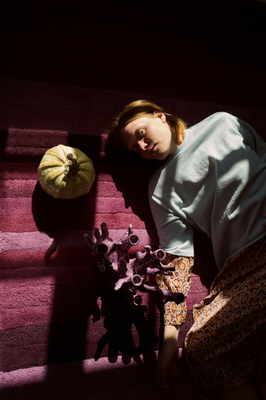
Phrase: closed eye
pixel 140 135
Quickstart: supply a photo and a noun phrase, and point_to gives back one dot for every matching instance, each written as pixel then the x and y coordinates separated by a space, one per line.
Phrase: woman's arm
pixel 167 362
pixel 180 281
pixel 174 316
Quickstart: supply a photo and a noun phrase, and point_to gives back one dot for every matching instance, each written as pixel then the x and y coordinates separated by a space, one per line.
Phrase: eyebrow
pixel 128 140
pixel 128 135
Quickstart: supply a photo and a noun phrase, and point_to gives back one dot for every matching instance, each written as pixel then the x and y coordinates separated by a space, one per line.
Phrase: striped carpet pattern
pixel 49 278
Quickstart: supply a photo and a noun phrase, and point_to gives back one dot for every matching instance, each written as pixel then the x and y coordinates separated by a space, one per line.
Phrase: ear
pixel 160 115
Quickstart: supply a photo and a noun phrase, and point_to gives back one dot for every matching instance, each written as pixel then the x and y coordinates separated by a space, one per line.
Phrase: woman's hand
pixel 167 363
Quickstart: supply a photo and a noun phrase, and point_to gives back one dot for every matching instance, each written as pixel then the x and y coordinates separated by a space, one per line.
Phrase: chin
pixel 160 157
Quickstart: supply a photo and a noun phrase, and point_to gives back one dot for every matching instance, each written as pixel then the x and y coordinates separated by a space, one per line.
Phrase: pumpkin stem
pixel 74 167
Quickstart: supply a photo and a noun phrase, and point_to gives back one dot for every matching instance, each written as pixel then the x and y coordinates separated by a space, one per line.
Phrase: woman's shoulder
pixel 219 116
pixel 214 122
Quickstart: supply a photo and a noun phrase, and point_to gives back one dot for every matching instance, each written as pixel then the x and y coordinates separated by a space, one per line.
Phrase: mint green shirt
pixel 215 182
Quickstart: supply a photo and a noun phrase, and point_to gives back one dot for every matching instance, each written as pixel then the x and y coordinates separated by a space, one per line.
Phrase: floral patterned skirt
pixel 226 345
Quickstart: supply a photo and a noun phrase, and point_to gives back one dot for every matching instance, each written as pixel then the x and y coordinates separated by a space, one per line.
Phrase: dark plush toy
pixel 130 275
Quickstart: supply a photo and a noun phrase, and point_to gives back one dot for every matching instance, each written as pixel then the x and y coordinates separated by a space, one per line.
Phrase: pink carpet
pixel 64 335
pixel 52 293
pixel 99 380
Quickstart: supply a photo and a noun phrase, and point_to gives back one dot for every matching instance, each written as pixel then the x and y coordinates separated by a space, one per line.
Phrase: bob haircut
pixel 135 110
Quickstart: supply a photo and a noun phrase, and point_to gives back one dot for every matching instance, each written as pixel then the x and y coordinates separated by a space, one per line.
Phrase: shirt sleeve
pixel 250 136
pixel 180 281
pixel 175 234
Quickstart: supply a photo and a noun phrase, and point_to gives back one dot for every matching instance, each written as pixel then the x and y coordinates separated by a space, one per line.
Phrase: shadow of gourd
pixel 77 280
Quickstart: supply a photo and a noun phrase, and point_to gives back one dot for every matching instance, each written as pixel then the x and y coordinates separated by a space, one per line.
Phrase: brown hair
pixel 132 111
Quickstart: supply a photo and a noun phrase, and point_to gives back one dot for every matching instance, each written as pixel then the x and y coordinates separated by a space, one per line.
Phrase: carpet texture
pixel 52 288
pixel 55 304
pixel 64 334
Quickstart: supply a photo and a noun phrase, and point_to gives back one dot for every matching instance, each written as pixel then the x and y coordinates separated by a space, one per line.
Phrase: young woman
pixel 211 178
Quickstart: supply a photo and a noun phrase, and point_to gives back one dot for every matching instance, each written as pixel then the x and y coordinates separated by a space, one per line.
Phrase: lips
pixel 153 149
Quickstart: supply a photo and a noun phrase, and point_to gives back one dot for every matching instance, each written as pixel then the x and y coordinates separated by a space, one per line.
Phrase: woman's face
pixel 150 137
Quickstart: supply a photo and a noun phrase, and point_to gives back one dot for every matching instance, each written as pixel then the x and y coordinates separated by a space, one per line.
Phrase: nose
pixel 142 144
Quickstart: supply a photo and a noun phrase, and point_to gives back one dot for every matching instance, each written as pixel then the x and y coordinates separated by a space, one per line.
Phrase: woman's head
pixel 143 127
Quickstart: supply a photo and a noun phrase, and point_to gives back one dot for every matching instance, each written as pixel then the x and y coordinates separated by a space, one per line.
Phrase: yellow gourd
pixel 65 172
